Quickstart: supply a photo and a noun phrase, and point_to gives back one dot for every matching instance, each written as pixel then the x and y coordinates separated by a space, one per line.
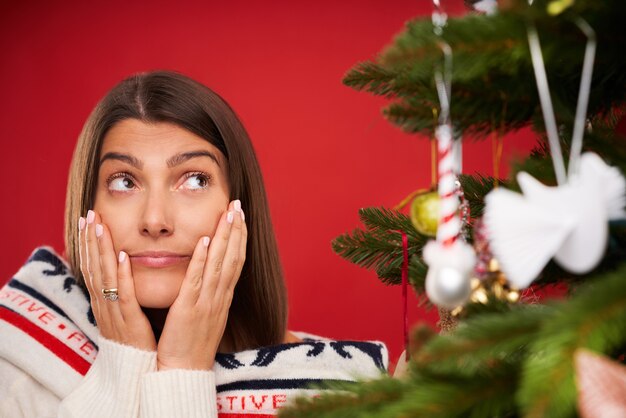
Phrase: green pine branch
pixel 594 319
pixel 372 78
pixel 475 188
pixel 491 60
pixel 379 246
pixel 425 395
pixel 383 220
pixel 511 364
pixel 483 341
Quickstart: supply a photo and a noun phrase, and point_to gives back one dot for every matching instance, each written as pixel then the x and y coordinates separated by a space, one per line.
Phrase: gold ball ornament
pixel 425 213
pixel 493 285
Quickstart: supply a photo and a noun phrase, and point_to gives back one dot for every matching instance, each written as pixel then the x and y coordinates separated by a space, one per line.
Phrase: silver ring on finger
pixel 110 294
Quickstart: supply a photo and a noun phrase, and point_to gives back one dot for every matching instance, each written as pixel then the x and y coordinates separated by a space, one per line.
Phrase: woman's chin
pixel 156 293
pixel 153 301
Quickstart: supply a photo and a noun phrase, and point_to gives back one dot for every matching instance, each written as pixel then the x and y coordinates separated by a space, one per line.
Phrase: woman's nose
pixel 156 220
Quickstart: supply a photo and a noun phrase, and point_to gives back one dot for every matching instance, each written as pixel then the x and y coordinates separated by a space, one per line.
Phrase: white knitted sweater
pixel 53 363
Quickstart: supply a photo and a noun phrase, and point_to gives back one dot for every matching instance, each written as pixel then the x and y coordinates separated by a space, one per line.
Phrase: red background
pixel 324 149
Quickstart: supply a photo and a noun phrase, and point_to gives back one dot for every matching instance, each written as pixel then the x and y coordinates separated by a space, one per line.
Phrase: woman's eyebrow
pixel 171 162
pixel 185 156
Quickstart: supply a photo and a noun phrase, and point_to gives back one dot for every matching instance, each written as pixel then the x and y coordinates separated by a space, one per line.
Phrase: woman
pixel 178 305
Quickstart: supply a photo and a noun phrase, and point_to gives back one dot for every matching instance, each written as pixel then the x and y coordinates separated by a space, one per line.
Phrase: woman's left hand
pixel 196 320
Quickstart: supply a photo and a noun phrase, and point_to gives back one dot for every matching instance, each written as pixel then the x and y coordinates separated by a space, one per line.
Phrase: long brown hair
pixel 258 314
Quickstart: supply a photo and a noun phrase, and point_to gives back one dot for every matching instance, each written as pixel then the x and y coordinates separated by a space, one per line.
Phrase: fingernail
pixel 237 205
pixel 99 230
pixel 205 241
pixel 91 216
pixel 122 256
pixel 229 217
pixel 243 217
pixel 81 223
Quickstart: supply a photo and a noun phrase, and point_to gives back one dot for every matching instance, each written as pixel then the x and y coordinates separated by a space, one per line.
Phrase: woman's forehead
pixel 155 141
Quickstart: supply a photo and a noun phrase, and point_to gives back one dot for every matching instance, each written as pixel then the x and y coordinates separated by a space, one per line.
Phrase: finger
pixel 93 251
pixel 126 287
pixel 108 258
pixel 92 269
pixel 108 268
pixel 243 245
pixel 192 283
pixel 82 253
pixel 91 247
pixel 230 289
pixel 232 256
pixel 217 251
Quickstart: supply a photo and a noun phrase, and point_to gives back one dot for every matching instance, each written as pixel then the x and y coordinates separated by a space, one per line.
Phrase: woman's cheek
pixel 119 227
pixel 201 221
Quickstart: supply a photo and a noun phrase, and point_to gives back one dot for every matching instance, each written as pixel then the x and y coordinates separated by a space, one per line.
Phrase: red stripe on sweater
pixel 49 341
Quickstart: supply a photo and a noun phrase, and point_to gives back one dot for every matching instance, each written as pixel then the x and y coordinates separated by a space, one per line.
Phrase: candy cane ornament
pixel 450 259
pixel 449 222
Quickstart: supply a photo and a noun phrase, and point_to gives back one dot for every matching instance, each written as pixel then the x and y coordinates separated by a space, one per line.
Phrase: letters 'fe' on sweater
pixel 53 363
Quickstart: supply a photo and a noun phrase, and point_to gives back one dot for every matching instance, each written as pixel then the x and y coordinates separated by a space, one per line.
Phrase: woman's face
pixel 160 188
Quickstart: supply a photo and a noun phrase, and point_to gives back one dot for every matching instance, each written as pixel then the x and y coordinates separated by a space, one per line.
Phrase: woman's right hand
pixel 122 320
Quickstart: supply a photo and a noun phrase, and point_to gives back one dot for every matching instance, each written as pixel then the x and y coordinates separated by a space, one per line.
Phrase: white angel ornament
pixel 568 223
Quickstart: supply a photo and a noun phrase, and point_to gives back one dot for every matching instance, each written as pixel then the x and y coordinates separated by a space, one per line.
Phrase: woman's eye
pixel 196 181
pixel 121 183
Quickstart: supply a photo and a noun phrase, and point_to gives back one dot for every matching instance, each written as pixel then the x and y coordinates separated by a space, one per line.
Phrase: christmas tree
pixel 507 358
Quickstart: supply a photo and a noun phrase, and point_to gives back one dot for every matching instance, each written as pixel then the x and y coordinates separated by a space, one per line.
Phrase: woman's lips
pixel 158 260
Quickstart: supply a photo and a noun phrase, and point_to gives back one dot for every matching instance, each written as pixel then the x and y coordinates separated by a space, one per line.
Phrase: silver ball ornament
pixel 447 287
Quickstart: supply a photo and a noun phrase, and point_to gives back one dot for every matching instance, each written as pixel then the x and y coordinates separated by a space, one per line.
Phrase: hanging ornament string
pixel 583 97
pixel 443 78
pixel 405 285
pixel 439 18
pixel 433 151
pixel 546 101
pixel 408 198
pixel 497 145
pixel 433 169
pixel 546 105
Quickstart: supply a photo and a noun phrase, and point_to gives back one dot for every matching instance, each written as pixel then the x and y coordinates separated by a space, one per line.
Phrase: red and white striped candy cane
pixel 449 222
